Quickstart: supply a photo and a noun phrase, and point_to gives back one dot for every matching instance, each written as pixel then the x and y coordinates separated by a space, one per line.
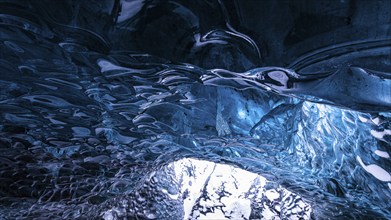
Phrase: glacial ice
pixel 209 190
pixel 195 109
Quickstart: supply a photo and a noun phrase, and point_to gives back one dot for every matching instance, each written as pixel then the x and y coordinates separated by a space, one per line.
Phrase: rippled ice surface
pixel 195 110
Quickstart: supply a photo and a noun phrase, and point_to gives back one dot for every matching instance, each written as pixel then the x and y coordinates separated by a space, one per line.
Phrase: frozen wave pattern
pixel 332 76
pixel 221 121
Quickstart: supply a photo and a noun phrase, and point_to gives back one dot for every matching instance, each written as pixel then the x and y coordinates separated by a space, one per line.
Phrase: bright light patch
pixel 382 154
pixel 242 114
pixel 378 172
pixel 215 190
pixel 208 190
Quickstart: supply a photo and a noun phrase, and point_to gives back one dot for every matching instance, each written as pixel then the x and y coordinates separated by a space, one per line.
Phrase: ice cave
pixel 195 109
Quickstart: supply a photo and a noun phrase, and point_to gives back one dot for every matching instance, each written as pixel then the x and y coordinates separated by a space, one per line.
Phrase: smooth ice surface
pixel 195 109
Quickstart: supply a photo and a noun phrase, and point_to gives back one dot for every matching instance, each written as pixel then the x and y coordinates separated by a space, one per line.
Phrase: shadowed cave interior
pixel 210 109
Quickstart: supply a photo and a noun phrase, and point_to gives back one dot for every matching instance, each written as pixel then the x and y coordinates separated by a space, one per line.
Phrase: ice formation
pixel 207 109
